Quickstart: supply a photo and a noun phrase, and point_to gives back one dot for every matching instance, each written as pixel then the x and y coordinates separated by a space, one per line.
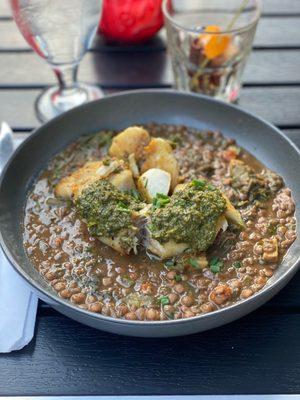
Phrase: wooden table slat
pixel 272 32
pixel 251 355
pixel 117 70
pixel 281 6
pixel 274 7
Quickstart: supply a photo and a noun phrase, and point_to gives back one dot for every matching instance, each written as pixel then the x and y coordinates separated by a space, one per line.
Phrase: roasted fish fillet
pixel 116 172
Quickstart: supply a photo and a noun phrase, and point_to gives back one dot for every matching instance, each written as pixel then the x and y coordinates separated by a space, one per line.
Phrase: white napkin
pixel 17 303
pixel 17 309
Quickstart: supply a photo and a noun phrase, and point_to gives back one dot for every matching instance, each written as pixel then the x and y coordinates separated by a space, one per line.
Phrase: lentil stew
pixel 142 286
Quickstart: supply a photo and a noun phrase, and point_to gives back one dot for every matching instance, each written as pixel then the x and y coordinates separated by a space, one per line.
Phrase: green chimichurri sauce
pixel 108 211
pixel 190 216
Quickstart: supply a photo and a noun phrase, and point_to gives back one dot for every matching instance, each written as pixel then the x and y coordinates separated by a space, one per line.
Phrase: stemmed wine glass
pixel 60 31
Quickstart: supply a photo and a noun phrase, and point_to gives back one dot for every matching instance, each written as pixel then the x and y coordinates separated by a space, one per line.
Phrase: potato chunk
pixel 270 250
pixel 130 141
pixel 154 181
pixel 159 154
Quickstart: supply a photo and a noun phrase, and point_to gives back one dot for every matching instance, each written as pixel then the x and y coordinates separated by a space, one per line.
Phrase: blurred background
pixel 273 65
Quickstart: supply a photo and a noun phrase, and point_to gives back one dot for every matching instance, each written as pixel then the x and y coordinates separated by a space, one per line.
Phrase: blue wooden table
pixel 260 353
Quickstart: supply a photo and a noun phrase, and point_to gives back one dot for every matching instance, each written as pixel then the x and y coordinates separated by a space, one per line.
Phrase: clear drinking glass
pixel 60 31
pixel 209 42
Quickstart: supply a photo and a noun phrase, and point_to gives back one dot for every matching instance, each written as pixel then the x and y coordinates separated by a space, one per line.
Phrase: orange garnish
pixel 214 45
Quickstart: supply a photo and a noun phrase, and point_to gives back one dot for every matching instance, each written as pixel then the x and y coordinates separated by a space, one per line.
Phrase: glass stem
pixel 67 78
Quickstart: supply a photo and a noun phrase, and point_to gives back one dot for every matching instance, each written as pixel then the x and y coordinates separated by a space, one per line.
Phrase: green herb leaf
pixel 160 200
pixel 88 249
pixel 172 144
pixel 134 193
pixel 162 196
pixel 150 227
pixel 122 207
pixel 169 263
pixel 194 263
pixel 164 300
pixel 69 203
pixel 198 183
pixel 178 278
pixel 215 265
pixel 272 228
pixel 128 280
pixel 237 264
pixel 106 161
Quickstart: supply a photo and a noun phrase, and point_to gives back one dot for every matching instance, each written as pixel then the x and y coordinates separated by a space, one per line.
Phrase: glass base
pixel 52 103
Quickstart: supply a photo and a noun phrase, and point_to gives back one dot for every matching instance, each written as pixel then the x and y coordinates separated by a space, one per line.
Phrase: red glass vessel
pixel 130 21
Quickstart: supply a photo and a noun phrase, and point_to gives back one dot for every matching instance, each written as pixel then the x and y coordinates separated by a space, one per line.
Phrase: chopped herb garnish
pixel 134 193
pixel 118 169
pixel 164 300
pixel 178 278
pixel 237 264
pixel 103 138
pixel 198 183
pixel 57 173
pixel 150 227
pixel 106 161
pixel 170 315
pixel 215 265
pixel 146 183
pixel 172 144
pixel 169 263
pixel 128 280
pixel 160 200
pixel 69 203
pixel 89 249
pixel 194 263
pixel 122 207
pixel 272 228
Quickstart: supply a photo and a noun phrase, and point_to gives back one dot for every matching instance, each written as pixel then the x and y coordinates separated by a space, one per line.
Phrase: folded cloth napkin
pixel 17 303
pixel 17 309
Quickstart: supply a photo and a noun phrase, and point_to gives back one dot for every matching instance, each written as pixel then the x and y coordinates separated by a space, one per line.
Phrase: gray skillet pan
pixel 117 112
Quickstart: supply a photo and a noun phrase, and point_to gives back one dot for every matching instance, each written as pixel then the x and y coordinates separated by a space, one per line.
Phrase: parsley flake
pixel 160 200
pixel 237 264
pixel 169 263
pixel 194 263
pixel 215 265
pixel 164 300
pixel 198 183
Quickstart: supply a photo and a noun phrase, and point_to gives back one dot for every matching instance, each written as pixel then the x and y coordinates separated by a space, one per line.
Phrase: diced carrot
pixel 146 288
pixel 230 154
